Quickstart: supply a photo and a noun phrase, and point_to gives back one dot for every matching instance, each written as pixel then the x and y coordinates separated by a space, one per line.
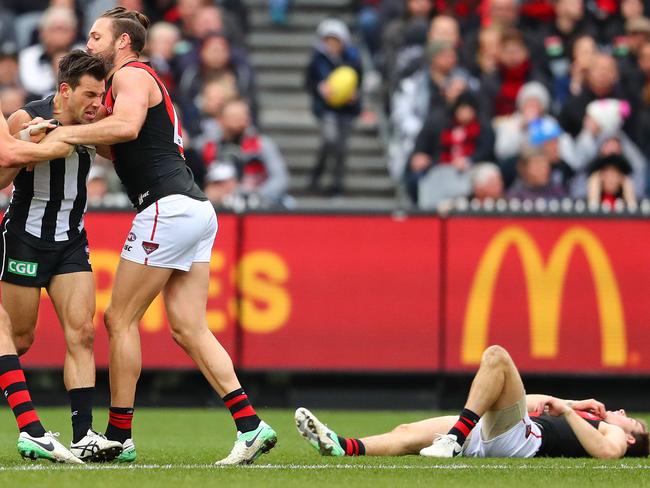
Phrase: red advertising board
pixel 106 234
pixel 562 295
pixel 341 293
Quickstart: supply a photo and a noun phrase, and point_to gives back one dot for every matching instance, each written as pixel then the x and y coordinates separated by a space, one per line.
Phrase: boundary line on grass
pixel 316 467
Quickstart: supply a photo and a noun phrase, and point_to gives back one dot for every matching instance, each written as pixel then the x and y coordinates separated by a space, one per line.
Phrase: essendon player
pixel 499 420
pixel 169 246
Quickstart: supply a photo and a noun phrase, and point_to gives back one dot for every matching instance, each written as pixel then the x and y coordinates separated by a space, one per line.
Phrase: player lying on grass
pixel 499 420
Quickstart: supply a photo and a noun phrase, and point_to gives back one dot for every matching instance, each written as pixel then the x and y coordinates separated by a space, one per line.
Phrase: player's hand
pixel 556 406
pixel 591 406
pixel 36 129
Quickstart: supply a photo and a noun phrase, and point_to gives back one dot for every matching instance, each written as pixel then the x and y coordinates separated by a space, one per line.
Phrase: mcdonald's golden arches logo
pixel 545 289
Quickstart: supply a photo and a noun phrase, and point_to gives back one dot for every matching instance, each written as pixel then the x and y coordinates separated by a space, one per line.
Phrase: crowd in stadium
pixel 525 99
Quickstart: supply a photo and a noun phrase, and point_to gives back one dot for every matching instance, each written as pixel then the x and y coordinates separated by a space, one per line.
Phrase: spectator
pixel 583 53
pixel 434 86
pixel 602 135
pixel 215 94
pixel 533 102
pixel 632 78
pixel 601 82
pixel 455 140
pixel 161 48
pixel 534 178
pixel 221 183
pixel 58 29
pixel 546 134
pixel 643 115
pixel 261 170
pixel 11 99
pixel 8 70
pixel 514 70
pixel 216 59
pixel 404 38
pixel 8 42
pixel 486 182
pixel 333 50
pixel 609 181
pixel 370 22
pixel 570 23
pixel 466 12
pixel 486 61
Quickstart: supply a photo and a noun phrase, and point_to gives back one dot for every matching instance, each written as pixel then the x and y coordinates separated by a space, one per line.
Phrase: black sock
pixel 466 422
pixel 242 411
pixel 352 447
pixel 119 424
pixel 14 387
pixel 81 408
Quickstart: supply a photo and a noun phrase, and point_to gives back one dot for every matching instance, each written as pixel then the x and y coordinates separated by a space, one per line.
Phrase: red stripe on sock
pixel 11 377
pixel 121 421
pixel 247 411
pixel 348 447
pixel 18 397
pixel 237 399
pixel 355 447
pixel 27 418
pixel 463 428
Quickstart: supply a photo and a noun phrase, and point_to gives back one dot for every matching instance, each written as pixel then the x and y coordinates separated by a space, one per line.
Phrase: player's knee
pixel 82 336
pixel 403 429
pixel 110 321
pixel 22 342
pixel 495 356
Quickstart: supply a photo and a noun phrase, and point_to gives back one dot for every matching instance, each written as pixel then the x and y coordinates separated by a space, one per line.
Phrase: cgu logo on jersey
pixel 545 287
pixel 22 268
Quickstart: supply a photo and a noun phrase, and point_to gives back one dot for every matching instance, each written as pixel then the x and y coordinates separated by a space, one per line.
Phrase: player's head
pixel 81 85
pixel 118 32
pixel 635 429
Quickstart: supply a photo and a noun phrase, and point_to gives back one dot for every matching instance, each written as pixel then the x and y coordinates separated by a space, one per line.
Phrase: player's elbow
pixel 8 159
pixel 129 133
pixel 610 452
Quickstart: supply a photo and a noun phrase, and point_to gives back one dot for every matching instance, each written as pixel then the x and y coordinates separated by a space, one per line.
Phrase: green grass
pixel 176 448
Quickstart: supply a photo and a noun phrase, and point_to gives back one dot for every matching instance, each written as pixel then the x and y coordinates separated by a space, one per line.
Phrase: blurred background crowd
pixel 378 103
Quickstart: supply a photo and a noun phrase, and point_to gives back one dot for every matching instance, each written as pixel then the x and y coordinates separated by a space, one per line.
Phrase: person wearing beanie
pixel 333 50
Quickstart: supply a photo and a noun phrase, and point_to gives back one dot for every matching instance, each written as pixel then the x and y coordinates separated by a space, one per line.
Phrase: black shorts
pixel 28 261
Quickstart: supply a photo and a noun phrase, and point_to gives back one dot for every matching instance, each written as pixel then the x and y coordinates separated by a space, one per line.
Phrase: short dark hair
pixel 130 22
pixel 78 63
pixel 641 446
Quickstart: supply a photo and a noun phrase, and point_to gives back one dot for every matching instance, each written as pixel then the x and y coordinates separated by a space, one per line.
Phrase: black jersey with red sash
pixel 558 438
pixel 152 166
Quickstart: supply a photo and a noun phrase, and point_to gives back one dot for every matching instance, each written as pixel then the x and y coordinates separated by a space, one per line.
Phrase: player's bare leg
pixel 496 388
pixel 402 440
pixel 73 296
pixel 186 297
pixel 21 303
pixel 134 288
pixel 33 441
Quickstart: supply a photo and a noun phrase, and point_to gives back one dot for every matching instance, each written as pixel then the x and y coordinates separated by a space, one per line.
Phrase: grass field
pixel 177 448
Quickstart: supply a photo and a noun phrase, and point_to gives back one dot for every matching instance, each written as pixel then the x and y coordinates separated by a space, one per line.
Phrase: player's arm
pixel 131 88
pixel 537 403
pixel 17 154
pixel 605 442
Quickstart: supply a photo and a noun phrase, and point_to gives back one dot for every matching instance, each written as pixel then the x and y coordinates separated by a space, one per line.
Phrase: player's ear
pixel 65 89
pixel 630 439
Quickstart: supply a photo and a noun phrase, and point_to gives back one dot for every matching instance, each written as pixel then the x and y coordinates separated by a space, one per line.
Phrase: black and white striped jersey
pixel 49 202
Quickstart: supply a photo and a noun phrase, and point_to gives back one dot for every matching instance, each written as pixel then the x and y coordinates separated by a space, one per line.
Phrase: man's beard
pixel 108 59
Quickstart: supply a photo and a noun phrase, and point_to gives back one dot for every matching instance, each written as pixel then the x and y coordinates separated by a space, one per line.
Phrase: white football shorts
pixel 523 440
pixel 173 232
